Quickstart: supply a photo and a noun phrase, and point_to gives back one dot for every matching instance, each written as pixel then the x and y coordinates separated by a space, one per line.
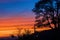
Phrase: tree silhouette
pixel 27 31
pixel 49 10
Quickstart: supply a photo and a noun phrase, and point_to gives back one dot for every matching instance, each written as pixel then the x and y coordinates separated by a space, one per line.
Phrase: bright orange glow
pixel 14 25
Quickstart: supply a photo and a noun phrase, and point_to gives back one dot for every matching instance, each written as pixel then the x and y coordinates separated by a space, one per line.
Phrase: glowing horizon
pixel 9 26
pixel 16 14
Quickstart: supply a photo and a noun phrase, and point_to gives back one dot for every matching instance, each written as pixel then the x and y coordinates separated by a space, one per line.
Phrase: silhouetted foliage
pixel 49 10
pixel 12 36
pixel 27 31
pixel 45 10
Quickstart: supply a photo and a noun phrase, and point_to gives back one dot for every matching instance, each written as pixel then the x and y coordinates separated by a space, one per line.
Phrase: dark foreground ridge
pixel 53 34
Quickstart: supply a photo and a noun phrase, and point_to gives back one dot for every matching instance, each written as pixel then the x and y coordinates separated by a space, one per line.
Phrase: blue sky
pixel 14 7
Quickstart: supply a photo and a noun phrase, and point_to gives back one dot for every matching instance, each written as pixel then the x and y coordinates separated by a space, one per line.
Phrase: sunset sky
pixel 16 14
pixel 16 11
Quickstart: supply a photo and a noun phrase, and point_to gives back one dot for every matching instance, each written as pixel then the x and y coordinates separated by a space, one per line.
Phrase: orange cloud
pixel 10 25
pixel 16 21
pixel 13 25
